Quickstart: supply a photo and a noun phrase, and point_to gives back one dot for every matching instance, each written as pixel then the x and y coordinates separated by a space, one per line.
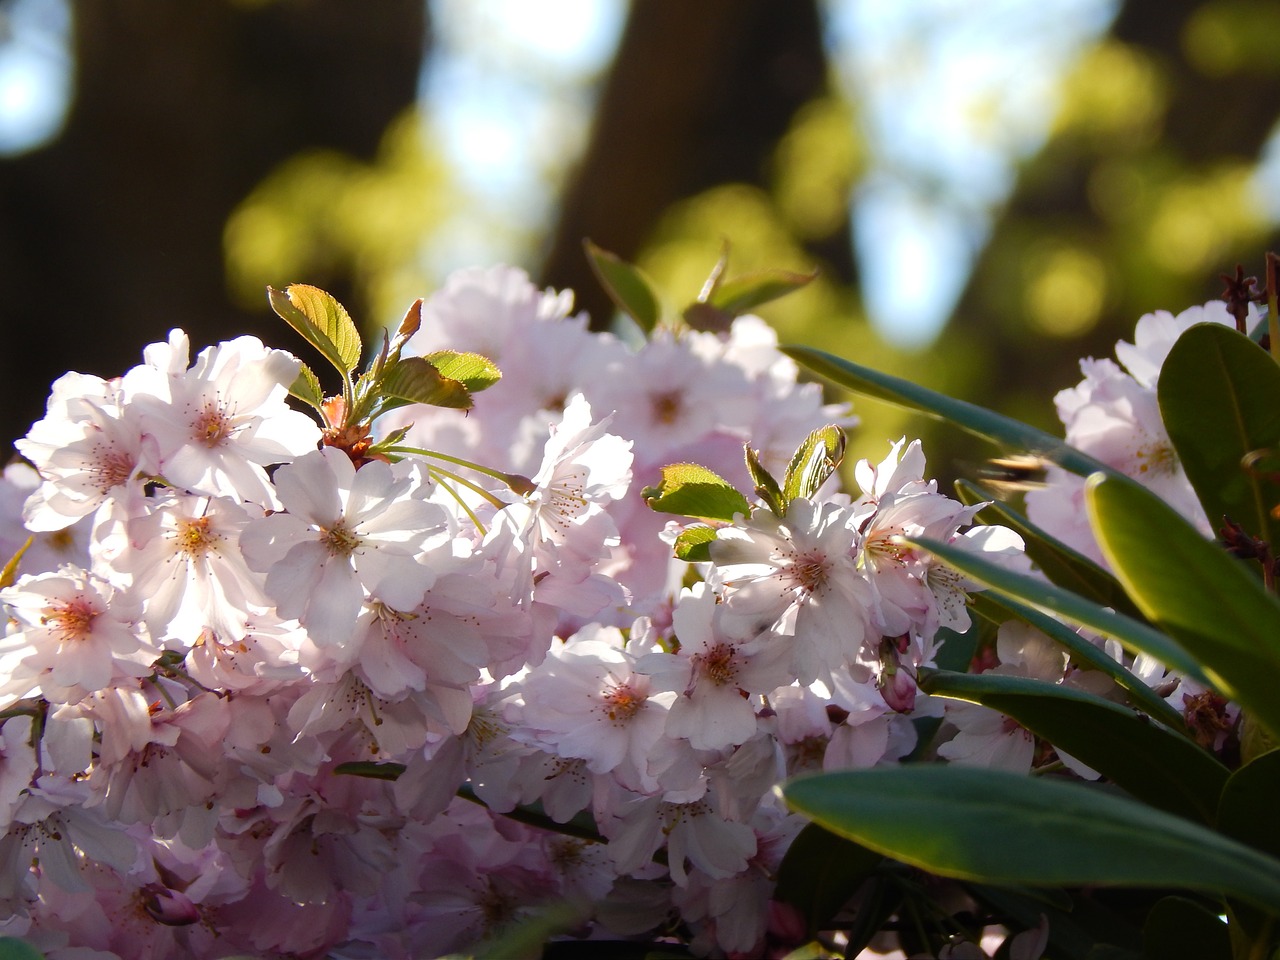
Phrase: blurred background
pixel 990 190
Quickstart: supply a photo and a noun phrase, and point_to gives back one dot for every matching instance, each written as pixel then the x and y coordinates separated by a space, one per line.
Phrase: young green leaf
pixel 416 380
pixel 998 827
pixel 766 487
pixel 323 322
pixel 628 288
pixel 1192 589
pixel 1004 431
pixel 10 571
pixel 1219 398
pixel 689 490
pixel 1151 762
pixel 815 460
pixel 693 544
pixel 1133 636
pixel 472 370
pixel 743 293
pixel 306 387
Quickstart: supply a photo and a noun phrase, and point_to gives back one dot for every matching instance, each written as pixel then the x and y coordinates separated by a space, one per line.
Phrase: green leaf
pixel 1086 654
pixel 1219 398
pixel 746 291
pixel 306 387
pixel 820 872
pixel 1004 431
pixel 1133 636
pixel 1247 811
pixel 998 827
pixel 1060 563
pixel 1181 929
pixel 11 948
pixel 10 571
pixel 766 487
pixel 372 769
pixel 473 371
pixel 628 288
pixel 1151 762
pixel 1190 588
pixel 416 380
pixel 689 490
pixel 815 460
pixel 693 545
pixel 323 322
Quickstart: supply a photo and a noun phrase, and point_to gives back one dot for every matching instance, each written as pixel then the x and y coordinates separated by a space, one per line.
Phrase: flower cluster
pixel 270 688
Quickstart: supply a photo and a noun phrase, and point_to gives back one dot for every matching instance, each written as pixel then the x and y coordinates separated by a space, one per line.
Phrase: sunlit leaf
pixel 628 288
pixel 998 827
pixel 472 370
pixel 743 293
pixel 10 571
pixel 1220 401
pixel 766 487
pixel 1151 762
pixel 690 490
pixel 1133 635
pixel 306 387
pixel 416 380
pixel 323 322
pixel 1192 589
pixel 815 460
pixel 1005 432
pixel 693 545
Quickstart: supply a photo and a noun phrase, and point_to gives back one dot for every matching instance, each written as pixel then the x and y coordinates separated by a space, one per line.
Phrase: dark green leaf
pixel 1247 811
pixel 1063 565
pixel 323 322
pixel 689 490
pixel 999 827
pixel 473 371
pixel 1133 636
pixel 306 387
pixel 766 487
pixel 1220 401
pixel 628 288
pixel 820 872
pixel 815 460
pixel 1151 762
pixel 1007 433
pixel 416 380
pixel 1181 929
pixel 693 545
pixel 1086 654
pixel 372 769
pixel 745 292
pixel 1190 588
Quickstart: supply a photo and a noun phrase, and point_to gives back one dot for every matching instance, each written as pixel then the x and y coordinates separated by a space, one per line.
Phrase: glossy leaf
pixel 323 322
pixel 1007 433
pixel 1062 564
pixel 998 827
pixel 1151 762
pixel 1193 590
pixel 416 380
pixel 1085 654
pixel 627 287
pixel 689 490
pixel 1133 636
pixel 306 387
pixel 766 487
pixel 1181 929
pixel 1219 398
pixel 820 872
pixel 815 460
pixel 743 293
pixel 473 371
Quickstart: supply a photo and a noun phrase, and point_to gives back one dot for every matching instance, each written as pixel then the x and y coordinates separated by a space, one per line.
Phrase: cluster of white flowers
pixel 252 689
